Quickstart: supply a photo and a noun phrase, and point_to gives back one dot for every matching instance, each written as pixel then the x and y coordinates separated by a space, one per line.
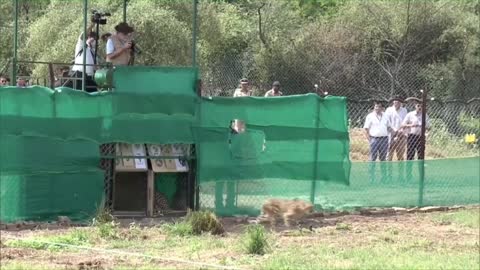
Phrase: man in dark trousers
pixel 413 126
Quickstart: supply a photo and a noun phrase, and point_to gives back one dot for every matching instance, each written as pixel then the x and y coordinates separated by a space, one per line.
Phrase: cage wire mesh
pixel 110 157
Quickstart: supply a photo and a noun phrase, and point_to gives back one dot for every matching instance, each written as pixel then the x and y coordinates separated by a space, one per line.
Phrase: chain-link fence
pixel 363 81
pixel 165 36
pixel 450 140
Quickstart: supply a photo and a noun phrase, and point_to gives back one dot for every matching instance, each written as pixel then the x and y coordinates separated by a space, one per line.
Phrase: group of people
pixel 119 51
pixel 244 89
pixel 392 130
pixel 21 82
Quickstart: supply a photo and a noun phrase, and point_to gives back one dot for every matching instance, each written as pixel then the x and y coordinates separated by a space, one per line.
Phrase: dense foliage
pixel 361 49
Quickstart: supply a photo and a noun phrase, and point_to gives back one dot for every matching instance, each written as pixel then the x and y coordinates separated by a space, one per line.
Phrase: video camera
pixel 98 17
pixel 135 48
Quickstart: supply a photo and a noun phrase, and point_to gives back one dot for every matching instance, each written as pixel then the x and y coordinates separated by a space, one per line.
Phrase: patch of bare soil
pixel 15 253
pixel 329 229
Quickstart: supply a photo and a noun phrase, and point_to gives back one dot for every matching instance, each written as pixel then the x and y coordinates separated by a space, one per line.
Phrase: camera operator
pixel 120 45
pixel 77 69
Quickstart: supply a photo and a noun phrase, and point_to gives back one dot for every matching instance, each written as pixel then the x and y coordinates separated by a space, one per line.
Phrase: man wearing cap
pixel 394 116
pixel 275 91
pixel 119 45
pixel 243 89
pixel 413 126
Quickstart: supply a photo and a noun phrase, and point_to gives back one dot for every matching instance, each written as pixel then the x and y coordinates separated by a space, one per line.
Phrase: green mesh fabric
pixel 50 140
pixel 447 182
pixel 296 137
pixel 293 147
pixel 47 196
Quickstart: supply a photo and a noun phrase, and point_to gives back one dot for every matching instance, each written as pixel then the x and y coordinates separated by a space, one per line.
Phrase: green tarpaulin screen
pixel 447 182
pixel 295 137
pixel 50 142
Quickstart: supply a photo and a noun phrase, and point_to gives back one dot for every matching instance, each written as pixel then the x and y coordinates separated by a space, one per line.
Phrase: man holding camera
pixel 120 45
pixel 90 61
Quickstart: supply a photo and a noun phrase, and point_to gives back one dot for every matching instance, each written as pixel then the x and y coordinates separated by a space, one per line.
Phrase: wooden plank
pixel 150 193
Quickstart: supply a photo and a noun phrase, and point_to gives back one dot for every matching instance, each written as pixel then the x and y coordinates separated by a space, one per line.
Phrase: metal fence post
pixel 422 150
pixel 125 10
pixel 194 33
pixel 196 174
pixel 85 6
pixel 315 165
pixel 15 44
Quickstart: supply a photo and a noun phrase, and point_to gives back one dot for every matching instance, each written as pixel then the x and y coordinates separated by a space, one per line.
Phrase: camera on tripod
pixel 98 17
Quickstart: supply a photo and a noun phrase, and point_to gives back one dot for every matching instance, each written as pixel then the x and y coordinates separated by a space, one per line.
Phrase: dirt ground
pixel 339 229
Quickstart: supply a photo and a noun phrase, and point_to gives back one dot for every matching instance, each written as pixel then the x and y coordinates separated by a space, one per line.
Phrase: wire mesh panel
pixel 107 164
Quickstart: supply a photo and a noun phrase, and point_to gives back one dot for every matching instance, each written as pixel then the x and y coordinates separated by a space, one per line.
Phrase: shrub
pixel 469 123
pixel 204 221
pixel 108 230
pixel 103 214
pixel 255 240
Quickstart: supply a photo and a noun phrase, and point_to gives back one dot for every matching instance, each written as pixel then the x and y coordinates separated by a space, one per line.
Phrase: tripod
pixel 97 29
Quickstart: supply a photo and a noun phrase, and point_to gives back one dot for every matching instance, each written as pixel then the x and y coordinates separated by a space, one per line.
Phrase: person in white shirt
pixel 275 91
pixel 119 45
pixel 77 69
pixel 376 133
pixel 413 126
pixel 243 90
pixel 394 116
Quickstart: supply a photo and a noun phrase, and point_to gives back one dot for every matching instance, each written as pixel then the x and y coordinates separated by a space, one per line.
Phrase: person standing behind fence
pixel 413 126
pixel 275 91
pixel 243 90
pixel 376 133
pixel 394 116
pixel 22 82
pixel 3 81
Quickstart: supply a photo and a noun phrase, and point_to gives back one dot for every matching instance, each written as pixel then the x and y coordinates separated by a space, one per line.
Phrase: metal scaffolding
pixel 85 22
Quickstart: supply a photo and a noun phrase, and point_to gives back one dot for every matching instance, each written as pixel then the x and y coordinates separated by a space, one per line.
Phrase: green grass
pixel 108 230
pixel 469 218
pixel 388 255
pixel 409 242
pixel 195 223
pixel 77 237
pixel 178 229
pixel 255 240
